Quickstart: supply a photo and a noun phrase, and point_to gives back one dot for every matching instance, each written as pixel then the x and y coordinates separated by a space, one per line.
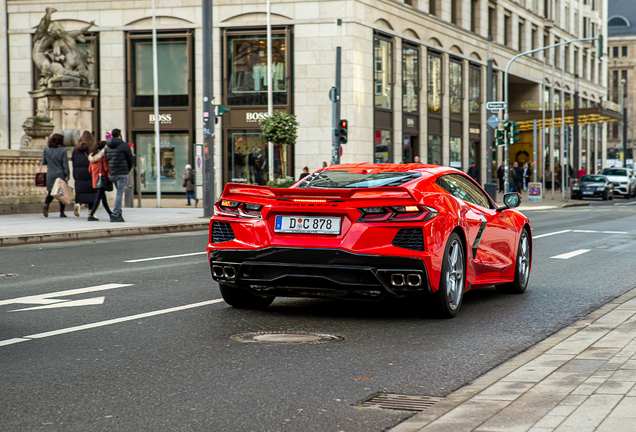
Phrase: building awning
pixel 610 112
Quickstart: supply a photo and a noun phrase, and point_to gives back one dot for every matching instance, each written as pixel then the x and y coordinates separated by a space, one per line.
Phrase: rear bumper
pixel 299 272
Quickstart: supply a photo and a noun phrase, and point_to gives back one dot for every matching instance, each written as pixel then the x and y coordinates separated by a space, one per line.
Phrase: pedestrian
pixel 120 161
pixel 512 174
pixel 416 159
pixel 84 190
pixel 304 174
pixel 188 184
pixel 518 177
pixel 557 176
pixel 527 173
pixel 501 173
pixel 324 164
pixel 581 173
pixel 473 172
pixel 98 166
pixel 55 158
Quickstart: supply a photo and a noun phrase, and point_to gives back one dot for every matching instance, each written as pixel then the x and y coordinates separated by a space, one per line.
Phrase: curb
pixel 575 204
pixel 463 394
pixel 102 233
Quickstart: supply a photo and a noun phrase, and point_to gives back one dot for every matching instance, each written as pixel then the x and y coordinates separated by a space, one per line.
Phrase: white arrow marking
pixel 47 299
pixel 571 254
pixel 70 303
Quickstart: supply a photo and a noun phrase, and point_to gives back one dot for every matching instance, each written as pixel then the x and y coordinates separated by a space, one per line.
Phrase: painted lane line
pixel 71 303
pixel 165 257
pixel 107 322
pixel 45 299
pixel 551 234
pixel 600 232
pixel 571 254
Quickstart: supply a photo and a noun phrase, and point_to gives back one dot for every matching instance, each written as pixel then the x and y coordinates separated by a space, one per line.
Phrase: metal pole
pixel 333 97
pixel 208 112
pixel 337 104
pixel 270 107
pixel 534 150
pixel 489 113
pixel 155 77
pixel 624 112
pixel 552 122
pixel 575 133
pixel 543 130
pixel 562 134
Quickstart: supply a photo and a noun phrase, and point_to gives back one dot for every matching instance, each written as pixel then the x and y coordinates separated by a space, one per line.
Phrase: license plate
pixel 587 193
pixel 307 225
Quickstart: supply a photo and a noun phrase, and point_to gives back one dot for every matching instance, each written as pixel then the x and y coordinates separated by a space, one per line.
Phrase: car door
pixel 492 243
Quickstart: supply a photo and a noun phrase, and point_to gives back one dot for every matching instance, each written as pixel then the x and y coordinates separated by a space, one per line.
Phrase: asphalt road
pixel 155 352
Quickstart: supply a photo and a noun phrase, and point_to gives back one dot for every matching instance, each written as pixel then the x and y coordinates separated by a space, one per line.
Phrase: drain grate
pixel 286 337
pixel 400 402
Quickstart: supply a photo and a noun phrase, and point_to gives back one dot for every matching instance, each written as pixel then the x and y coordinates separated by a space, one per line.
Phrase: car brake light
pixel 410 213
pixel 238 209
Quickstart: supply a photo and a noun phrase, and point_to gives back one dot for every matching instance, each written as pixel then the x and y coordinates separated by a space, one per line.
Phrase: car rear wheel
pixel 605 196
pixel 243 299
pixel 448 298
pixel 522 267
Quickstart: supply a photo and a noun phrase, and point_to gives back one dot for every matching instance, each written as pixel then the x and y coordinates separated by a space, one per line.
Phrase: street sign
pixel 493 121
pixel 496 106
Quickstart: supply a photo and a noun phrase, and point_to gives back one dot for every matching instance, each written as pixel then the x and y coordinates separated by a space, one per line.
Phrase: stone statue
pixel 56 55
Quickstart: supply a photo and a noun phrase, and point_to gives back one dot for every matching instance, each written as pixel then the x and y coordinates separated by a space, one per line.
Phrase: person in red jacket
pixel 98 165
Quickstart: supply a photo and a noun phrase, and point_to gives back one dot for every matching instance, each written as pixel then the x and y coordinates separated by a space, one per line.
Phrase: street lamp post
pixel 624 113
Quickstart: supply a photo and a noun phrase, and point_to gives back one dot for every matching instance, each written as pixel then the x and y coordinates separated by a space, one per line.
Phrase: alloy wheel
pixel 524 258
pixel 455 274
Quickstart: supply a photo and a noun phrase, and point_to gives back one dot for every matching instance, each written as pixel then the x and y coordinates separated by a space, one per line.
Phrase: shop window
pixel 383 73
pixel 434 150
pixel 455 89
pixel 174 156
pixel 248 81
pixel 492 21
pixel 455 149
pixel 410 78
pixel 248 158
pixel 434 87
pixel 173 72
pixel 474 91
pixel 382 146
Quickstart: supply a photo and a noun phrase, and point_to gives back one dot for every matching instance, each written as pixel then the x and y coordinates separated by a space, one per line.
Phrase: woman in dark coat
pixel 56 159
pixel 84 191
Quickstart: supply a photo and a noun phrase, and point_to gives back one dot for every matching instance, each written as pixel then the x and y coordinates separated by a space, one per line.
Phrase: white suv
pixel 623 180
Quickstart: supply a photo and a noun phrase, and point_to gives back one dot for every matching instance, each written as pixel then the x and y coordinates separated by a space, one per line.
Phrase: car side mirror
pixel 511 200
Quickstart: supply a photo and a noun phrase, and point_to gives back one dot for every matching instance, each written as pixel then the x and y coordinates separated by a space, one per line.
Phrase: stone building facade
pixel 413 76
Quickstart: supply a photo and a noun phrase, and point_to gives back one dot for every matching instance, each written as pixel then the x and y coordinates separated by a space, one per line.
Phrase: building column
pixel 4 81
pixel 112 85
pixel 465 115
pixel 445 110
pixel 423 99
pixel 398 137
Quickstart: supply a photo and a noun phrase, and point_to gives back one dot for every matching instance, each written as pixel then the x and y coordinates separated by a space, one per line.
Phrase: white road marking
pixel 600 232
pixel 46 299
pixel 71 303
pixel 571 254
pixel 107 322
pixel 551 234
pixel 165 257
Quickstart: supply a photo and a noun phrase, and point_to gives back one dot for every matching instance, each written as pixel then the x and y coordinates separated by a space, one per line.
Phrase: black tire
pixel 449 296
pixel 605 196
pixel 522 267
pixel 243 299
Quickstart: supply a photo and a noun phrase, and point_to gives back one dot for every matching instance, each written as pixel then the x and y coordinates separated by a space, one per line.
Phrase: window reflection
pixel 434 88
pixel 455 90
pixel 434 152
pixel 383 57
pixel 247 76
pixel 248 158
pixel 456 153
pixel 382 146
pixel 410 78
pixel 175 154
pixel 475 94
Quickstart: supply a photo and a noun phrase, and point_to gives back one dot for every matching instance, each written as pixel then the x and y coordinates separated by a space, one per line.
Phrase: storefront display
pixel 248 157
pixel 382 153
pixel 174 156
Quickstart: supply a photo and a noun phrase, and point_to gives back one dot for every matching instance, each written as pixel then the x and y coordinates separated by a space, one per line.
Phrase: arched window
pixel 618 21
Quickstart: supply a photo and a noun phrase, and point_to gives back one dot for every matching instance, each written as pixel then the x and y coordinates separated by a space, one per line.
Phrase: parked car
pixel 593 186
pixel 367 232
pixel 623 180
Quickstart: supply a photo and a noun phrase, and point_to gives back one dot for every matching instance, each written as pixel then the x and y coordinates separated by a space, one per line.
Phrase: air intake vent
pixel 222 232
pixel 409 238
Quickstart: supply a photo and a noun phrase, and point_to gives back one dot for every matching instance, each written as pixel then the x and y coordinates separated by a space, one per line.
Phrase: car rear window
pixel 347 180
pixel 614 172
pixel 589 178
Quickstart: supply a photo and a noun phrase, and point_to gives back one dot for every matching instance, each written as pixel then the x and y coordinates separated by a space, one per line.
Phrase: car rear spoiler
pixel 267 192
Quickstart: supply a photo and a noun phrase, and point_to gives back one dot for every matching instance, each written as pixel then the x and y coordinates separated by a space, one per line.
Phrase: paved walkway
pixel 581 379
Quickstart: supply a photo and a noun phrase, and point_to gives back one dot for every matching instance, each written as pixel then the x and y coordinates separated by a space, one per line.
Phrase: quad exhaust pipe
pixel 399 280
pixel 227 272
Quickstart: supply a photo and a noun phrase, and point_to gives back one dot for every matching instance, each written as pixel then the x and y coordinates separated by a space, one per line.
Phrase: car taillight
pixel 238 209
pixel 409 213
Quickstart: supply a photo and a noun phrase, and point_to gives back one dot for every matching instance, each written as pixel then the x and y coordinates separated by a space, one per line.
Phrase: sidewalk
pixel 30 228
pixel 581 379
pixel 547 203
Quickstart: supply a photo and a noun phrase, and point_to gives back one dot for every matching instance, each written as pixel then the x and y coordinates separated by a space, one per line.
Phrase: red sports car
pixel 367 231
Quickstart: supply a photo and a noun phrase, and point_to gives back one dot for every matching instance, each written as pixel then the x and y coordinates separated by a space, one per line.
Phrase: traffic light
pixel 342 132
pixel 512 130
pixel 599 46
pixel 499 137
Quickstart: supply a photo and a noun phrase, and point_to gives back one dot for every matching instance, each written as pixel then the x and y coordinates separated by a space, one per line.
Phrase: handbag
pixel 62 191
pixel 40 177
pixel 104 183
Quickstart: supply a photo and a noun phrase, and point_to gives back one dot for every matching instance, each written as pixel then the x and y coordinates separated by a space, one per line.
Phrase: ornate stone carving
pixel 57 57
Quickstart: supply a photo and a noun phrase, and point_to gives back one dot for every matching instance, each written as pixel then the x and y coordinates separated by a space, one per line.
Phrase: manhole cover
pixel 400 402
pixel 286 337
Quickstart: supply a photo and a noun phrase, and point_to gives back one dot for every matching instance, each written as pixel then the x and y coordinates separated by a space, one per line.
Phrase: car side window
pixel 464 189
